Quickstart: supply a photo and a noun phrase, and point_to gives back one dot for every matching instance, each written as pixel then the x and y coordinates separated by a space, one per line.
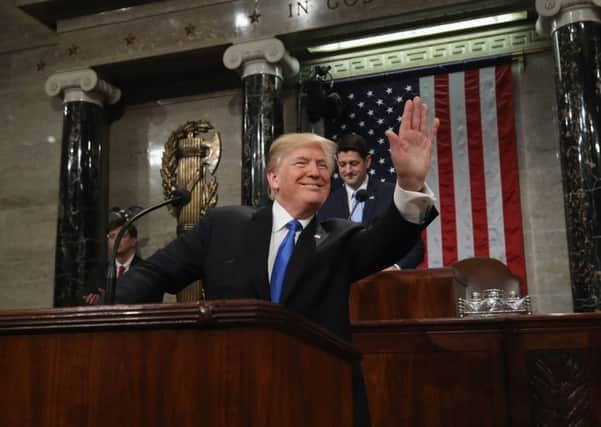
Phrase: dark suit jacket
pixel 229 249
pixel 379 199
pixel 97 277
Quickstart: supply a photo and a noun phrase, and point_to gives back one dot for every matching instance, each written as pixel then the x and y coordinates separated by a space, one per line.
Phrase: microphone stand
pixel 111 277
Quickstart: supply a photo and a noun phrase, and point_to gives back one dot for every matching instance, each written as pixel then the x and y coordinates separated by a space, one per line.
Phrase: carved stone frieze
pixel 163 28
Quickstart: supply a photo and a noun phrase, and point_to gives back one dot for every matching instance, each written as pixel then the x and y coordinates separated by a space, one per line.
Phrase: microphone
pixel 178 198
pixel 360 197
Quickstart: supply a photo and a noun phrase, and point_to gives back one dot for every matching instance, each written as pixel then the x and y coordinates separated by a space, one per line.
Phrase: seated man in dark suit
pixel 127 256
pixel 353 162
pixel 281 253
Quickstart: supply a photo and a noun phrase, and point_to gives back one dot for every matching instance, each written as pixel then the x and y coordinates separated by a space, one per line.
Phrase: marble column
pixel 83 189
pixel 575 27
pixel 263 65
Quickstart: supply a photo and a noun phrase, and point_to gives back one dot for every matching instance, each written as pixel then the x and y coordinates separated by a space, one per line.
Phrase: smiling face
pixel 301 180
pixel 352 168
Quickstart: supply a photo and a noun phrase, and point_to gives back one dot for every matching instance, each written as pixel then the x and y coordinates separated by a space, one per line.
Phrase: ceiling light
pixel 420 32
pixel 241 20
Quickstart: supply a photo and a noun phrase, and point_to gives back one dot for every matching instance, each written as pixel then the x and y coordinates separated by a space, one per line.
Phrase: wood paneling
pixel 217 364
pixel 517 371
pixel 407 294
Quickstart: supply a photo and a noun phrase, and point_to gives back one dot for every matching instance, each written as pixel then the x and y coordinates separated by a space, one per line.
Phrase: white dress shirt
pixel 126 264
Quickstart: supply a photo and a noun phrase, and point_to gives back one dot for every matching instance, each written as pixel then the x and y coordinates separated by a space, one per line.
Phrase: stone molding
pixel 554 14
pixel 517 41
pixel 82 85
pixel 268 56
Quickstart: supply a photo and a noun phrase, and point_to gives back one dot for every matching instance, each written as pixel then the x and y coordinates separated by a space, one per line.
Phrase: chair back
pixel 480 273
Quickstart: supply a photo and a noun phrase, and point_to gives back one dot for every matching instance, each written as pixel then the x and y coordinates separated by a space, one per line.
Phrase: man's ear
pixel 272 178
pixel 368 160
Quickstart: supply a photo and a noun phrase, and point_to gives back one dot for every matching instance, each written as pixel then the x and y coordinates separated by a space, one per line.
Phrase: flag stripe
pixel 476 170
pixel 492 166
pixel 445 170
pixel 510 178
pixel 463 202
pixel 432 239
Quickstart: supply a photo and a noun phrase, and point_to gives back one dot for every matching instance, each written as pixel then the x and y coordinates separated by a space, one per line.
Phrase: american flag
pixel 474 171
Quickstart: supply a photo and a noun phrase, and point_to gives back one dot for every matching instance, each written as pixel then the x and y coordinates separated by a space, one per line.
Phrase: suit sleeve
pixel 381 245
pixel 169 270
pixel 97 278
pixel 414 257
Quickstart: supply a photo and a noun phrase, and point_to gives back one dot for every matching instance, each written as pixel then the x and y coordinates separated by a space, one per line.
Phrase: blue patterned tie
pixel 357 211
pixel 281 260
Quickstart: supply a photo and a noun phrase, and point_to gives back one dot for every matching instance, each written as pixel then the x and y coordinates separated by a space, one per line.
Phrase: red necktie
pixel 121 271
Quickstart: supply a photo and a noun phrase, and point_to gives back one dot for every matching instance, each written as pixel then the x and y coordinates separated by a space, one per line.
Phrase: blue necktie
pixel 281 260
pixel 358 210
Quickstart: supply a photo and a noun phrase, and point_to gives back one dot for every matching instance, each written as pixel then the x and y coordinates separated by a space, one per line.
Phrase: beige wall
pixel 545 243
pixel 30 135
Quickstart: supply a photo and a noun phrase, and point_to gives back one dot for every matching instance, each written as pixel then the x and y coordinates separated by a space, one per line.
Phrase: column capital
pixel 82 85
pixel 268 56
pixel 554 14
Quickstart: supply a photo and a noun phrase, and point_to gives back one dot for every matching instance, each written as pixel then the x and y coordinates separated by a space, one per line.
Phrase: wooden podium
pixel 220 363
pixel 406 294
pixel 423 367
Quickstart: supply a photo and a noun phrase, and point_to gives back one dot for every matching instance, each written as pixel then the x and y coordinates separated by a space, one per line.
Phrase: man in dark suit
pixel 353 161
pixel 282 253
pixel 127 257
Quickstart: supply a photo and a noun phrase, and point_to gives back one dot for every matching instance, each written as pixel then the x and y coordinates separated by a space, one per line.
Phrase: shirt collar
pixel 281 217
pixel 350 191
pixel 127 263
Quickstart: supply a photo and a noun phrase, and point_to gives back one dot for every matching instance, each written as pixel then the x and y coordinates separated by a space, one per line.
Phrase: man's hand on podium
pixel 94 298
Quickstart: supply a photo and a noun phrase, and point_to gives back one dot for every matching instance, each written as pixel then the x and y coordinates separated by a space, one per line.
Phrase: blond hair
pixel 288 142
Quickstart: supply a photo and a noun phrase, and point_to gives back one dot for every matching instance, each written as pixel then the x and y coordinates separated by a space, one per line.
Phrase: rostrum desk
pixel 220 363
pixel 511 371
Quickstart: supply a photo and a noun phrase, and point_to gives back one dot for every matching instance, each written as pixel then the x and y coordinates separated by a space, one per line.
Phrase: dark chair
pixel 480 273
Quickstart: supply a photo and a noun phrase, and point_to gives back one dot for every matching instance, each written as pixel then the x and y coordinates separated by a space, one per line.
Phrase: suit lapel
pixel 303 253
pixel 258 237
pixel 338 205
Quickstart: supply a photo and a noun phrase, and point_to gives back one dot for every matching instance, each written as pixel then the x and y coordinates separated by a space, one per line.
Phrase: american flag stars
pixel 370 110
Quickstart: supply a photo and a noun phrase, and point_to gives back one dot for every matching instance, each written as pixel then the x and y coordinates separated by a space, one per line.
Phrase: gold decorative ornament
pixel 190 159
